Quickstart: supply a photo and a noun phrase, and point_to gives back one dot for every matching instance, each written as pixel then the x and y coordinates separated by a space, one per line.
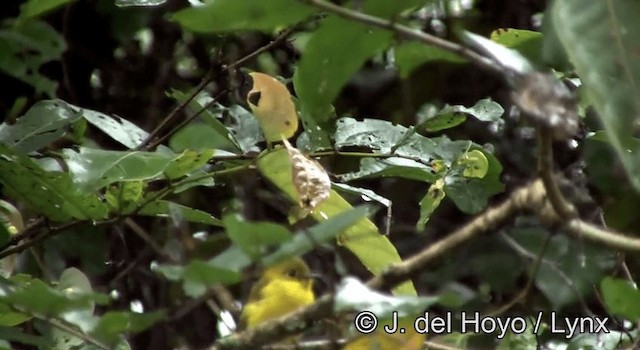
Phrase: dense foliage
pixel 140 198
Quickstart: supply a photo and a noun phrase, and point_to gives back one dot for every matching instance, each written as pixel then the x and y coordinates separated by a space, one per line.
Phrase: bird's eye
pixel 292 273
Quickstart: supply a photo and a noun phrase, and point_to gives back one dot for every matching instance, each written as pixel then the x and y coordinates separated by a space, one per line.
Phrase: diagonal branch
pixel 409 33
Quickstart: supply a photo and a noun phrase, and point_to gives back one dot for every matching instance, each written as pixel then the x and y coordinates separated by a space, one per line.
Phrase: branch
pixel 520 199
pixel 395 274
pixel 545 167
pixel 409 33
pixel 147 143
pixel 52 231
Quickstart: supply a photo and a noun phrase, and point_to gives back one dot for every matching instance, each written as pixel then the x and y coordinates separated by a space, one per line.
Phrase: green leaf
pixel 27 46
pixel 363 239
pixel 125 196
pixel 45 122
pixel 245 128
pixel 423 159
pixel 93 169
pixel 527 42
pixel 475 164
pixel 610 76
pixel 429 203
pixel 32 296
pixel 469 192
pixel 119 129
pixel 324 69
pixel 36 8
pixel 10 317
pixel 255 238
pixel 162 208
pixel 411 55
pixel 308 239
pixel 233 15
pixel 391 167
pixel 113 324
pixel 621 298
pixel 484 110
pixel 199 275
pixel 50 193
pixel 568 270
pixel 15 334
pixel 186 162
pixel 212 135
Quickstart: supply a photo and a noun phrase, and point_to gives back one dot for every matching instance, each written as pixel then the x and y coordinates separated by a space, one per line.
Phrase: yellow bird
pixel 281 289
pixel 270 101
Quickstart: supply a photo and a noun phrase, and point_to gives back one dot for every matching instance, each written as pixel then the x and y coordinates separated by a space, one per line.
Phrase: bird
pixel 281 289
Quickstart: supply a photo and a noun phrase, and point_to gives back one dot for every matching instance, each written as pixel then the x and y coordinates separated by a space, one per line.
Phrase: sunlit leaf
pixel 363 238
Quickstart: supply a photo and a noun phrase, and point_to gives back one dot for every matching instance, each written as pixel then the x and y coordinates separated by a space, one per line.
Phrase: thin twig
pixel 147 144
pixel 395 274
pixel 76 333
pixel 188 120
pixel 537 261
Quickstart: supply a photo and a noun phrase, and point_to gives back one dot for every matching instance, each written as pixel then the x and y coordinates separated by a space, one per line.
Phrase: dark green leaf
pixel 113 324
pixel 485 110
pixel 45 122
pixel 15 334
pixel 162 208
pixel 232 15
pixel 35 8
pixel 215 135
pixel 569 270
pixel 324 69
pixel 25 48
pixel 621 298
pixel 610 76
pixel 255 238
pixel 419 158
pixel 411 55
pixel 51 193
